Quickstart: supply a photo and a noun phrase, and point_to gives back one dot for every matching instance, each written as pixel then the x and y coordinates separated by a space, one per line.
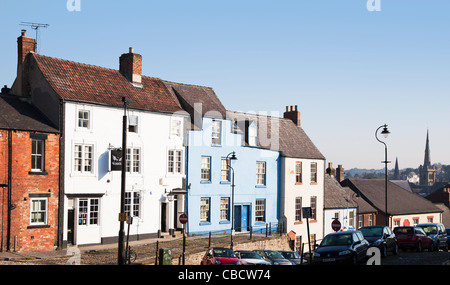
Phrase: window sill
pixel 298 223
pixel 205 182
pixel 38 173
pixel 260 186
pixel 38 226
pixel 313 183
pixel 205 223
pixel 225 182
pixel 299 183
pixel 224 222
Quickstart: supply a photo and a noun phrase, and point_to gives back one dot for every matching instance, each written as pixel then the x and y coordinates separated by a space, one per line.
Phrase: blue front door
pixel 244 218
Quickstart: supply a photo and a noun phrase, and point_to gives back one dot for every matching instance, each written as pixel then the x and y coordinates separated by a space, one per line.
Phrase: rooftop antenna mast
pixel 36 27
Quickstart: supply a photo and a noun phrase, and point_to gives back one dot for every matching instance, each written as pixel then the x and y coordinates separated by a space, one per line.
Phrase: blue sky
pixel 348 69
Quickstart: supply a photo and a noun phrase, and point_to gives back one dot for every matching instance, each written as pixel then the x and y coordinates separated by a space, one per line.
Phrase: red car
pixel 220 256
pixel 413 237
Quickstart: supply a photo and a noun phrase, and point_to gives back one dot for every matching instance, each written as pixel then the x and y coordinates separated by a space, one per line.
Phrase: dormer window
pixel 252 135
pixel 215 133
pixel 133 124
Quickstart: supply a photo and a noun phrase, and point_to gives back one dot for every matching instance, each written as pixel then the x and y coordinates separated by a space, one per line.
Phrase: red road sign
pixel 336 225
pixel 183 219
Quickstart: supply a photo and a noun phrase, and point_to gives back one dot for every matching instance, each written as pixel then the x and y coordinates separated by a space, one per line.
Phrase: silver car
pixel 437 233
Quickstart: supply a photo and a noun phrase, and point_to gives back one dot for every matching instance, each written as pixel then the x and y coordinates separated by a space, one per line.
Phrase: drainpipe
pixel 61 191
pixel 8 223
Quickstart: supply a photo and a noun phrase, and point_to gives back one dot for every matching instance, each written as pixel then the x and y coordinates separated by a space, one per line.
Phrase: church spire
pixel 427 160
pixel 396 171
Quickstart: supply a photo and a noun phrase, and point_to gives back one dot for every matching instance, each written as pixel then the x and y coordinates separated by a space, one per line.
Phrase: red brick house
pixel 29 177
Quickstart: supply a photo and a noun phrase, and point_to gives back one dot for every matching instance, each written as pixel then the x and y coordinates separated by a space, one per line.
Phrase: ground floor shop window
pixel 88 212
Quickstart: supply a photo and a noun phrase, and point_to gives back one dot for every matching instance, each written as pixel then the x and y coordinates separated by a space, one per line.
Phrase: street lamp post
pixel 122 216
pixel 385 133
pixel 228 158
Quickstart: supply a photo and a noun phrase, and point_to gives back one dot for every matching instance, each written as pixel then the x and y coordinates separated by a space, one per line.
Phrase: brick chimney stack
pixel 25 45
pixel 293 114
pixel 340 173
pixel 330 170
pixel 131 67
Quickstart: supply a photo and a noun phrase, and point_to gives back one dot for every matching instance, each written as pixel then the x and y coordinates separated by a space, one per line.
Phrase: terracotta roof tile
pixel 93 84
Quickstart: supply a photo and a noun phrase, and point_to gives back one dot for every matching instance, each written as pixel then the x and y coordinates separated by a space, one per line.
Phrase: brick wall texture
pixel 24 237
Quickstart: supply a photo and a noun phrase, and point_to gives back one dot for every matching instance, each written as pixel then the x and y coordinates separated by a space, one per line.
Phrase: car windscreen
pixel 371 232
pixel 291 255
pixel 224 252
pixel 331 240
pixel 429 230
pixel 252 255
pixel 403 231
pixel 274 255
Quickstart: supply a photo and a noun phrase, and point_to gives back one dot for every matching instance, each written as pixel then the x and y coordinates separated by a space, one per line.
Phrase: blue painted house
pixel 212 143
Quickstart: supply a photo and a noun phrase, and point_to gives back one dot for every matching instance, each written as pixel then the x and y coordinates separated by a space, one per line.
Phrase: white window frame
pixel 175 161
pixel 92 212
pixel 37 211
pixel 83 119
pixel 133 203
pixel 35 155
pixel 134 160
pixel 83 158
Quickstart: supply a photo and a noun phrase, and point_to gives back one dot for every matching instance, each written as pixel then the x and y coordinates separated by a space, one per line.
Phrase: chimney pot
pixel 131 67
pixel 293 114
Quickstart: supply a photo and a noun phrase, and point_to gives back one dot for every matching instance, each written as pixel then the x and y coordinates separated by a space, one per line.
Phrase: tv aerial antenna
pixel 36 27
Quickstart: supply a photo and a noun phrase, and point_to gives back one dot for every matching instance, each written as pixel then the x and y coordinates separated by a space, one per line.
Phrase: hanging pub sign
pixel 116 160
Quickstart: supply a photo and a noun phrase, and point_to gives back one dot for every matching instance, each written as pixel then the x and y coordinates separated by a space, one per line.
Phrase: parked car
pixel 381 237
pixel 436 231
pixel 292 256
pixel 274 257
pixel 341 247
pixel 448 236
pixel 413 237
pixel 220 256
pixel 251 258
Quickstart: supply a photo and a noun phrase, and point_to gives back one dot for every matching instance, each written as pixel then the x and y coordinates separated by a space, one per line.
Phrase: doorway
pixel 70 226
pixel 241 218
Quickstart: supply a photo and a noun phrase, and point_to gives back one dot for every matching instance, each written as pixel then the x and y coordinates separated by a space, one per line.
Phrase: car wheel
pixel 419 246
pixel 354 259
pixel 431 247
pixel 395 250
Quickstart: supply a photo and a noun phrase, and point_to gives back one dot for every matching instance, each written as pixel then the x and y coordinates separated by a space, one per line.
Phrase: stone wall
pixel 274 243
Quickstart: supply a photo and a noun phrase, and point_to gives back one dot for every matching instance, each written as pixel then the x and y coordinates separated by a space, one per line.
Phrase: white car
pixel 251 258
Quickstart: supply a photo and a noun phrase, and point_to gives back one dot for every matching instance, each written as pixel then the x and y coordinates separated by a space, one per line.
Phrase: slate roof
pixel 88 83
pixel 400 201
pixel 17 114
pixel 190 95
pixel 290 139
pixel 337 196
